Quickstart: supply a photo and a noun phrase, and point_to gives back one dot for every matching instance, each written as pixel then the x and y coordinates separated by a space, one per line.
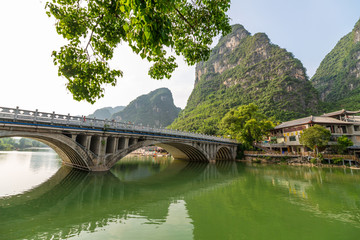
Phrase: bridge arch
pixel 184 151
pixel 223 153
pixel 81 152
pixel 177 150
pixel 68 150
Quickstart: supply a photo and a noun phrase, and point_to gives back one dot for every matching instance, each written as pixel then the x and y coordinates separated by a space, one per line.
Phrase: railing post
pixel 35 115
pixel 16 113
pixel 68 119
pixel 52 118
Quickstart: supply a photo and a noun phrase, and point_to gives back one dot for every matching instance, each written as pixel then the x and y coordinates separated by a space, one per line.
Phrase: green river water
pixel 158 198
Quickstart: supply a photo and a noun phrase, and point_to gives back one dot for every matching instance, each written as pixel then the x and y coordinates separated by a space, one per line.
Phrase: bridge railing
pixel 16 114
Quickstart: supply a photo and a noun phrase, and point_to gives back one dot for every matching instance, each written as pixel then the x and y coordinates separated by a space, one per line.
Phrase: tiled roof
pixel 323 119
pixel 340 112
pixel 352 112
pixel 311 119
pixel 295 122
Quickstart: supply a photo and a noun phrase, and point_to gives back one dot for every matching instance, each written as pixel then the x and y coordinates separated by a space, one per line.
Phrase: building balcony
pixel 272 145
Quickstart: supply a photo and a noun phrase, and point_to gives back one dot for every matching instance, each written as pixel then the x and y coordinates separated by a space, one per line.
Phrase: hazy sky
pixel 307 28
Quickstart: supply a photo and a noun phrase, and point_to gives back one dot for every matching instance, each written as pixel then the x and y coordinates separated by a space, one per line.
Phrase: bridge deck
pixel 43 119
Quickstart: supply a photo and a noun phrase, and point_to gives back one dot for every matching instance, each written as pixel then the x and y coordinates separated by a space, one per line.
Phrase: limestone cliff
pixel 155 109
pixel 245 69
pixel 338 76
pixel 106 112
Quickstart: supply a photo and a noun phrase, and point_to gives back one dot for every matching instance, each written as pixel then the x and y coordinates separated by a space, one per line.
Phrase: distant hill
pixel 243 69
pixel 338 77
pixel 106 112
pixel 155 109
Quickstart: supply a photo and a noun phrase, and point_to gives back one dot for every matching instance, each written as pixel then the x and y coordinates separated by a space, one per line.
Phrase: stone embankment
pixel 308 160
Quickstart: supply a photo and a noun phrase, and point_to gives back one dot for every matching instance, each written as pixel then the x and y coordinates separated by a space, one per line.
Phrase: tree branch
pixel 92 32
pixel 102 59
pixel 184 18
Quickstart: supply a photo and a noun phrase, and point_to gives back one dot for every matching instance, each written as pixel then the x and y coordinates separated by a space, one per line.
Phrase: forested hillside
pixel 155 109
pixel 338 77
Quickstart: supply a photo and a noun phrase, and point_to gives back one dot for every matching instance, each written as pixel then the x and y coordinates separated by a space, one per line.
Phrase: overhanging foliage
pixel 94 28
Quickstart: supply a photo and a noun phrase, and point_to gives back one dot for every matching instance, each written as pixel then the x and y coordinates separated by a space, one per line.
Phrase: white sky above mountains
pixel 308 28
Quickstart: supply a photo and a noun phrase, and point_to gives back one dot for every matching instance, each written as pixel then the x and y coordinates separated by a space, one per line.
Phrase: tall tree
pixel 246 124
pixel 315 137
pixel 94 28
pixel 343 143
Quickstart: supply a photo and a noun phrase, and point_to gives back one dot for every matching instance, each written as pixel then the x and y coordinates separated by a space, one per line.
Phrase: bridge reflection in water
pixel 227 200
pixel 73 201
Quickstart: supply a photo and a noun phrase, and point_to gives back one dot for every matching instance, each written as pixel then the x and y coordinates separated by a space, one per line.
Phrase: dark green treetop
pixel 315 137
pixel 246 124
pixel 342 143
pixel 94 28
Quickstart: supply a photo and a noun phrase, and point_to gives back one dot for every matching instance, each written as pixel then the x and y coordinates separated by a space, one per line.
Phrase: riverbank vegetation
pixel 10 144
pixel 343 143
pixel 246 124
pixel 316 137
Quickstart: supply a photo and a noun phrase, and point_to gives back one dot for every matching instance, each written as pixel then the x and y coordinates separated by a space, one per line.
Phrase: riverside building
pixel 285 136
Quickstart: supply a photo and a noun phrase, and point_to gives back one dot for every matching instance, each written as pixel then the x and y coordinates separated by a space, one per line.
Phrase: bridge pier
pixel 111 144
pixel 102 145
pixel 123 143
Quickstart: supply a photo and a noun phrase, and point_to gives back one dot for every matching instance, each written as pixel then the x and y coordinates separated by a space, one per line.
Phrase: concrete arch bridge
pixel 97 145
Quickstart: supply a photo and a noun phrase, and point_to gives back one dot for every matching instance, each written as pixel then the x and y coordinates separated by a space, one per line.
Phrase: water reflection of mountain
pixel 332 193
pixel 223 201
pixel 132 169
pixel 44 160
pixel 263 204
